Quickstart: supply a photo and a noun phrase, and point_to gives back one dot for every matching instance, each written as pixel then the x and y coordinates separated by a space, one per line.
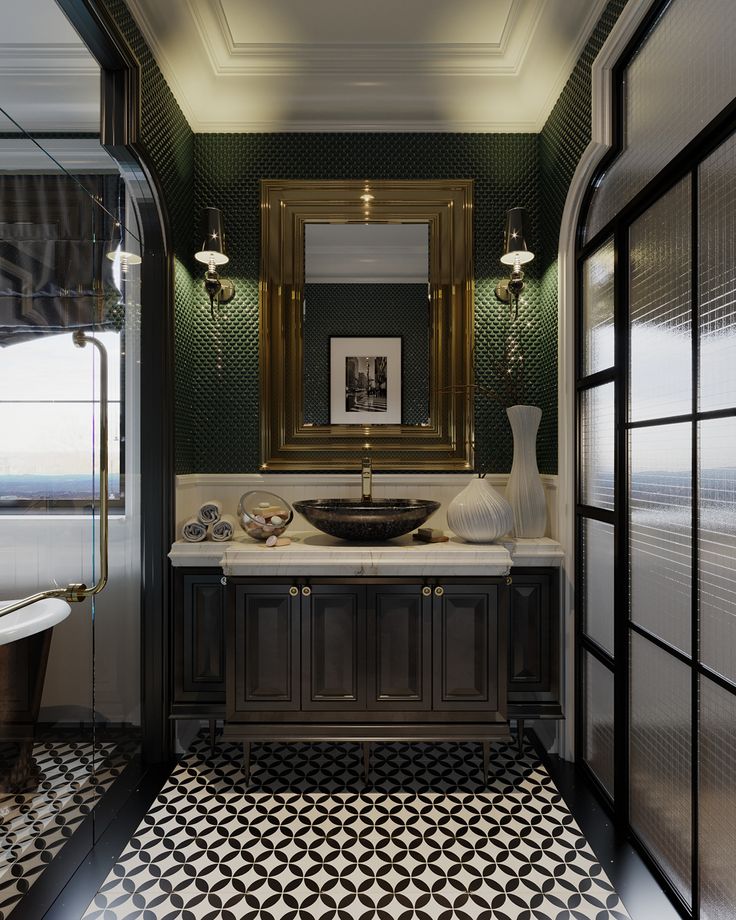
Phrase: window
pixel 49 423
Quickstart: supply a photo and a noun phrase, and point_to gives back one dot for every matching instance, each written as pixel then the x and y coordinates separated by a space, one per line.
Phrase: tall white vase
pixel 479 514
pixel 525 492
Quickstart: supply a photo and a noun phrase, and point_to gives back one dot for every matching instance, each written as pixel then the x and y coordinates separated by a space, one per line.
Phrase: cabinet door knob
pixel 306 590
pixel 223 581
pixel 426 590
pixel 293 590
pixel 439 591
pixel 509 580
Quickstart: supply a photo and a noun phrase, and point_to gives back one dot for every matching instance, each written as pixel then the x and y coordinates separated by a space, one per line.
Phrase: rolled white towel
pixel 194 531
pixel 224 529
pixel 210 512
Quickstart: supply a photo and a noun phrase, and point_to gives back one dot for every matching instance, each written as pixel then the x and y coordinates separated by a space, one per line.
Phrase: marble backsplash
pixel 195 488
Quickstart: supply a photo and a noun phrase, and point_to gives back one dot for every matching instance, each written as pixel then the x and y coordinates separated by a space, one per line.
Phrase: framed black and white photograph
pixel 365 380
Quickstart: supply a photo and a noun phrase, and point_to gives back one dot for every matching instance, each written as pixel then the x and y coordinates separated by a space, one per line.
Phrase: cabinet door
pixel 529 634
pixel 466 647
pixel 399 647
pixel 199 636
pixel 334 647
pixel 264 656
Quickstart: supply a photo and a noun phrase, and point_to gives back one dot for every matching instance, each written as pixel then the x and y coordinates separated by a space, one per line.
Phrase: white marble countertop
pixel 312 553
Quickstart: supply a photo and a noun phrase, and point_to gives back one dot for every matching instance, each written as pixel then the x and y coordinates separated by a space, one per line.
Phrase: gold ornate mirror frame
pixel 446 441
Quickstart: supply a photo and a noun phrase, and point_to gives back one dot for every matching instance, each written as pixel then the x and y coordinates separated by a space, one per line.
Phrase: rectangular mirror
pixel 366 324
pixel 366 287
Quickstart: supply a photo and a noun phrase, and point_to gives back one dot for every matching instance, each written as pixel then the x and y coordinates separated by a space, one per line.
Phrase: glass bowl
pixel 263 514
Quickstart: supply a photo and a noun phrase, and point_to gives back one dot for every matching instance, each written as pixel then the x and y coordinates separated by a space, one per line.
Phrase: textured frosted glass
pixel 597 577
pixel 660 534
pixel 598 753
pixel 681 77
pixel 598 331
pixel 660 758
pixel 597 446
pixel 717 759
pixel 660 315
pixel 717 278
pixel 717 549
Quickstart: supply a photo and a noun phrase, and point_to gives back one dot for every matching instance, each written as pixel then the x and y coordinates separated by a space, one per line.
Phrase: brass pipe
pixel 75 593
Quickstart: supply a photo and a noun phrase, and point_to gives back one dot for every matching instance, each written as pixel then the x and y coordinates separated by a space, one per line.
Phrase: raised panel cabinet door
pixel 264 660
pixel 199 627
pixel 529 636
pixel 466 648
pixel 399 647
pixel 334 647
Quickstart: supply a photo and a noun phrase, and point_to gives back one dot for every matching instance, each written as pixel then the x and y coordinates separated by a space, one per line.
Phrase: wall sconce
pixel 515 253
pixel 212 254
pixel 117 255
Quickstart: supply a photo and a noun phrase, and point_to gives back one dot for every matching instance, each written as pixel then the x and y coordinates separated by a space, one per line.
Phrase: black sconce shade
pixel 213 238
pixel 515 246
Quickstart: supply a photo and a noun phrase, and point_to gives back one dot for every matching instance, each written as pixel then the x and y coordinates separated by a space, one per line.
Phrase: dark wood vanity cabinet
pixel 369 651
pixel 534 646
pixel 198 644
pixel 392 656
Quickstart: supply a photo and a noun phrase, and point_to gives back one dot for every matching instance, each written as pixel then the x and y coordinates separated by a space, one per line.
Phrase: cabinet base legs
pixel 213 735
pixel 366 760
pixel 486 761
pixel 520 736
pixel 246 761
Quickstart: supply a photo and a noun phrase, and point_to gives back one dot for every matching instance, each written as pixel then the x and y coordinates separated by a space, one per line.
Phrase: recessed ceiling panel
pixel 348 65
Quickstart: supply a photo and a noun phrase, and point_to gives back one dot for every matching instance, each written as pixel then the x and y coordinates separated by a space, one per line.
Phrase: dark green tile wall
pixel 217 409
pixel 228 168
pixel 562 141
pixel 169 143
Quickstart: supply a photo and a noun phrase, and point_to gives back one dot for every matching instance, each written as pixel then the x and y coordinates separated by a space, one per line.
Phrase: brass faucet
pixel 366 479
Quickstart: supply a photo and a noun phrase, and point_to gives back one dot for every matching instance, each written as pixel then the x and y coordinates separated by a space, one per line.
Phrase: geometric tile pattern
pixel 423 839
pixel 34 826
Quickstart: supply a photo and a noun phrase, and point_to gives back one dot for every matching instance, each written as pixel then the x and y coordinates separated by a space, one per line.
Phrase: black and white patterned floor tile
pixel 35 825
pixel 307 839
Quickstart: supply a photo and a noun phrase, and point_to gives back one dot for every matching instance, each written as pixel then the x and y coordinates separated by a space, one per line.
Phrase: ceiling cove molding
pixel 383 127
pixel 149 34
pixel 43 59
pixel 591 21
pixel 483 59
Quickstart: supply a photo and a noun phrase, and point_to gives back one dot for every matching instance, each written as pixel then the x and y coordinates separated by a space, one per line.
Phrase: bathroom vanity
pixel 331 641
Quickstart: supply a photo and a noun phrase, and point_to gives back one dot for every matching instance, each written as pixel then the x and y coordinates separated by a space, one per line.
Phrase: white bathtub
pixel 32 619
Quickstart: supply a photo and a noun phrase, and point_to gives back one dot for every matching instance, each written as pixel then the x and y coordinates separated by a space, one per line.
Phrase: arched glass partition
pixel 656 472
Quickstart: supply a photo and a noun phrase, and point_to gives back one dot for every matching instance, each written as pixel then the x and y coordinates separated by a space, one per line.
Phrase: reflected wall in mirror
pixel 384 260
pixel 367 280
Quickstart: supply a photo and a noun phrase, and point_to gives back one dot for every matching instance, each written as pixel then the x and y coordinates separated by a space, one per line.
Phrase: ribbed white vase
pixel 479 514
pixel 525 491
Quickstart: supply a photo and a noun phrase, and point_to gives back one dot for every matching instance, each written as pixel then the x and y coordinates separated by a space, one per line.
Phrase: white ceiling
pixel 48 79
pixel 366 253
pixel 366 65
pixel 313 65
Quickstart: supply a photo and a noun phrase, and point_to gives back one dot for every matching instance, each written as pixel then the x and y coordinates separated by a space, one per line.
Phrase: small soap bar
pixel 430 535
pixel 277 541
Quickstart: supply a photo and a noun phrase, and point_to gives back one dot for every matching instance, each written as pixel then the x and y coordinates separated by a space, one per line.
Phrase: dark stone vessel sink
pixel 378 519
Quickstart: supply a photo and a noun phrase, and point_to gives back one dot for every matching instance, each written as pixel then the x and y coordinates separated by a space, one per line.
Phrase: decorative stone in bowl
pixel 366 521
pixel 263 514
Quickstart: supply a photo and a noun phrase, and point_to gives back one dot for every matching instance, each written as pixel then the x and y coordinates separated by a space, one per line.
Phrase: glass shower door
pixel 61 310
